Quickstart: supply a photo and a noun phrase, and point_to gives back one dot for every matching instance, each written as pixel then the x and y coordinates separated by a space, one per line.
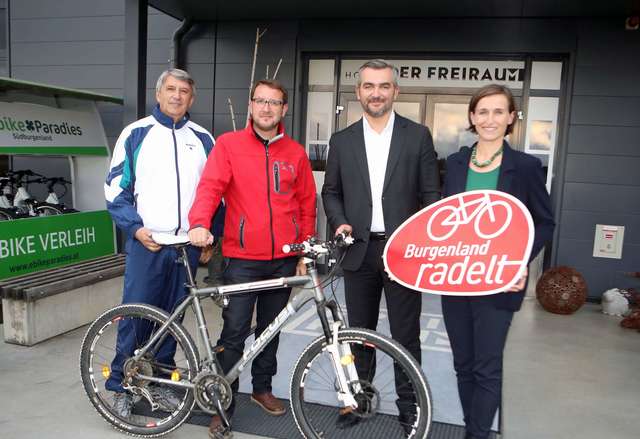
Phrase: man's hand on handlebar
pixel 200 237
pixel 144 236
pixel 344 228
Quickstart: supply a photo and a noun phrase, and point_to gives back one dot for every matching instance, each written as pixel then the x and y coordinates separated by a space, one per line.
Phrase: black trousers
pixel 237 317
pixel 477 333
pixel 363 291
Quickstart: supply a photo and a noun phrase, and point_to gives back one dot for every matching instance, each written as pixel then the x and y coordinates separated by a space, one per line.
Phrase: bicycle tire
pixel 309 405
pixel 91 367
pixel 47 209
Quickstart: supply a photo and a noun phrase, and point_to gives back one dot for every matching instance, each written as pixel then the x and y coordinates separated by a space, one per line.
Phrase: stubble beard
pixel 377 113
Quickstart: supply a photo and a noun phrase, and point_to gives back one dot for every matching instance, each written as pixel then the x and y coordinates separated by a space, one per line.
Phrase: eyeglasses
pixel 271 102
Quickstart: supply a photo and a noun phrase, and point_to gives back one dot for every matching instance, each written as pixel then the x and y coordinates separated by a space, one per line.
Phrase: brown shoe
pixel 216 429
pixel 269 403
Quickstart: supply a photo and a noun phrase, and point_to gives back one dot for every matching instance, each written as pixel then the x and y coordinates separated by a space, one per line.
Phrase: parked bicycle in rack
pixel 22 204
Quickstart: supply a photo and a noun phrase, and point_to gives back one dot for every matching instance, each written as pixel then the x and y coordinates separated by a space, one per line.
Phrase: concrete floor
pixel 566 377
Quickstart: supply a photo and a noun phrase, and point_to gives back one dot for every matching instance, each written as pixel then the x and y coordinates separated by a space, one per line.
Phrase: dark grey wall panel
pixel 604 42
pixel 241 30
pixel 608 170
pixel 97 77
pixel 515 35
pixel 606 111
pixel 607 80
pixel 241 51
pixel 238 75
pixel 600 198
pixel 586 139
pixel 583 225
pixel 239 98
pixel 67 29
pixel 67 53
pixel 67 8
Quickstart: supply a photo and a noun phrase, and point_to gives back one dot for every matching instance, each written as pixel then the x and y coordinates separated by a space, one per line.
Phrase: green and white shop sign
pixel 35 244
pixel 27 128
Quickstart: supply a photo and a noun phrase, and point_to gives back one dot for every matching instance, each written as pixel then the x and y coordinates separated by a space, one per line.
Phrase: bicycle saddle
pixel 169 239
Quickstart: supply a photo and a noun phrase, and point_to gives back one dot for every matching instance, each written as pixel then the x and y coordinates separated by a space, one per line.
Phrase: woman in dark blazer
pixel 478 326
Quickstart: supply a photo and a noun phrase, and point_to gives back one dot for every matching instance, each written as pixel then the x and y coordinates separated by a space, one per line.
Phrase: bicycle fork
pixel 343 362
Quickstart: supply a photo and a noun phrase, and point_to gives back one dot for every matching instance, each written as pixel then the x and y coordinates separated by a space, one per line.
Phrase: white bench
pixel 41 305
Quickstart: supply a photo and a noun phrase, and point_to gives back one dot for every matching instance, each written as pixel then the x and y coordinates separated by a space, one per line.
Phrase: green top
pixel 482 180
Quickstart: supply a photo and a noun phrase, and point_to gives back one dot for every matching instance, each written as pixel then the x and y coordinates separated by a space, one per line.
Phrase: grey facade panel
pixel 243 30
pixel 200 51
pixel 607 81
pixel 608 170
pixel 67 29
pixel 160 25
pixel 590 139
pixel 590 197
pixel 240 51
pixel 236 76
pixel 605 42
pixel 436 35
pixel 606 111
pixel 67 8
pixel 96 78
pixel 239 98
pixel 583 225
pixel 67 53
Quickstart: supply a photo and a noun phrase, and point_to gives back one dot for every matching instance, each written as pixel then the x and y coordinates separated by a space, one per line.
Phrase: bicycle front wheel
pixel 393 396
pixel 105 359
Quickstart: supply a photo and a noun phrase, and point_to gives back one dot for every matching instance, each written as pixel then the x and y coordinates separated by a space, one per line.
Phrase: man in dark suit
pixel 380 171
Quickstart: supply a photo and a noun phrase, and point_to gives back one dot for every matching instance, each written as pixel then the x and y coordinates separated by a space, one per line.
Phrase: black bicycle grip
pixel 289 248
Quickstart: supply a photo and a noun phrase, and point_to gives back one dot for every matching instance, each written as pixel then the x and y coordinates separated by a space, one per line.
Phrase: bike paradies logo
pixel 474 243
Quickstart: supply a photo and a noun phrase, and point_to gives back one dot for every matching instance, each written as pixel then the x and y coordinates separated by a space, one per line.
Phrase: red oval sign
pixel 470 244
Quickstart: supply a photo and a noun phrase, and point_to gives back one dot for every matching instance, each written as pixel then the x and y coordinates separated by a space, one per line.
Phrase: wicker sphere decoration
pixel 561 290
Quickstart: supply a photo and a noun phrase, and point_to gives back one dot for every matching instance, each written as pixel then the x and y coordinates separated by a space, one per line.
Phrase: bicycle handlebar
pixel 312 247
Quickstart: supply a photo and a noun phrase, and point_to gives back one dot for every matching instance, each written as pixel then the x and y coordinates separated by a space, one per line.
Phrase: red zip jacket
pixel 269 192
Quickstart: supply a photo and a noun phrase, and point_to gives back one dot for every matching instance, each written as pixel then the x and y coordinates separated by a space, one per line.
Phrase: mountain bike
pixel 344 369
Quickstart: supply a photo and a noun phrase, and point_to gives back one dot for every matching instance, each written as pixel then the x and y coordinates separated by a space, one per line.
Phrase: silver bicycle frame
pixel 311 291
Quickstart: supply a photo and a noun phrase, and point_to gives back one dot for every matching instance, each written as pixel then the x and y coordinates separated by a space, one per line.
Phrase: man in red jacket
pixel 270 196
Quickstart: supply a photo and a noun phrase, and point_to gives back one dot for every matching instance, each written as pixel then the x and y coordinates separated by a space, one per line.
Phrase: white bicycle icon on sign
pixel 455 216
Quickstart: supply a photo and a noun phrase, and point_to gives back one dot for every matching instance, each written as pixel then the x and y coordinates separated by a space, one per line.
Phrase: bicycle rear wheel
pixel 99 371
pixel 381 412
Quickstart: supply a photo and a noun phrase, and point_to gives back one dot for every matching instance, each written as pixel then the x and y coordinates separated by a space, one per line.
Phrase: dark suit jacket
pixel 411 181
pixel 521 176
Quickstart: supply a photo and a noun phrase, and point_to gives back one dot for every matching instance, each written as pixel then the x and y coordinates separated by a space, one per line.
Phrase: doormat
pixel 251 419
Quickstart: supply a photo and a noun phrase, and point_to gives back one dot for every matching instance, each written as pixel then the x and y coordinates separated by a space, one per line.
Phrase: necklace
pixel 486 163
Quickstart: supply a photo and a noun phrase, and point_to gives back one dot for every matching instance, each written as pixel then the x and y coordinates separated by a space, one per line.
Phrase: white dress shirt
pixel 377 147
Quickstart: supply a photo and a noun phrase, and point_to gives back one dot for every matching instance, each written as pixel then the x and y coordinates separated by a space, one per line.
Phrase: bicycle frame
pixel 312 292
pixel 483 203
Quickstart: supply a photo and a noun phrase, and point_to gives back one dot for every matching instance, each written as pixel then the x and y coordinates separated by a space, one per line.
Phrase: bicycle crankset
pixel 205 382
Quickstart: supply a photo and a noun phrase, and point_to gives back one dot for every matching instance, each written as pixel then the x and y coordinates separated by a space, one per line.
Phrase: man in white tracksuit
pixel 156 166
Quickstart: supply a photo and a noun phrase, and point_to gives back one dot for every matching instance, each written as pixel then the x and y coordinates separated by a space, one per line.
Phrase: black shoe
pixel 346 419
pixel 406 421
